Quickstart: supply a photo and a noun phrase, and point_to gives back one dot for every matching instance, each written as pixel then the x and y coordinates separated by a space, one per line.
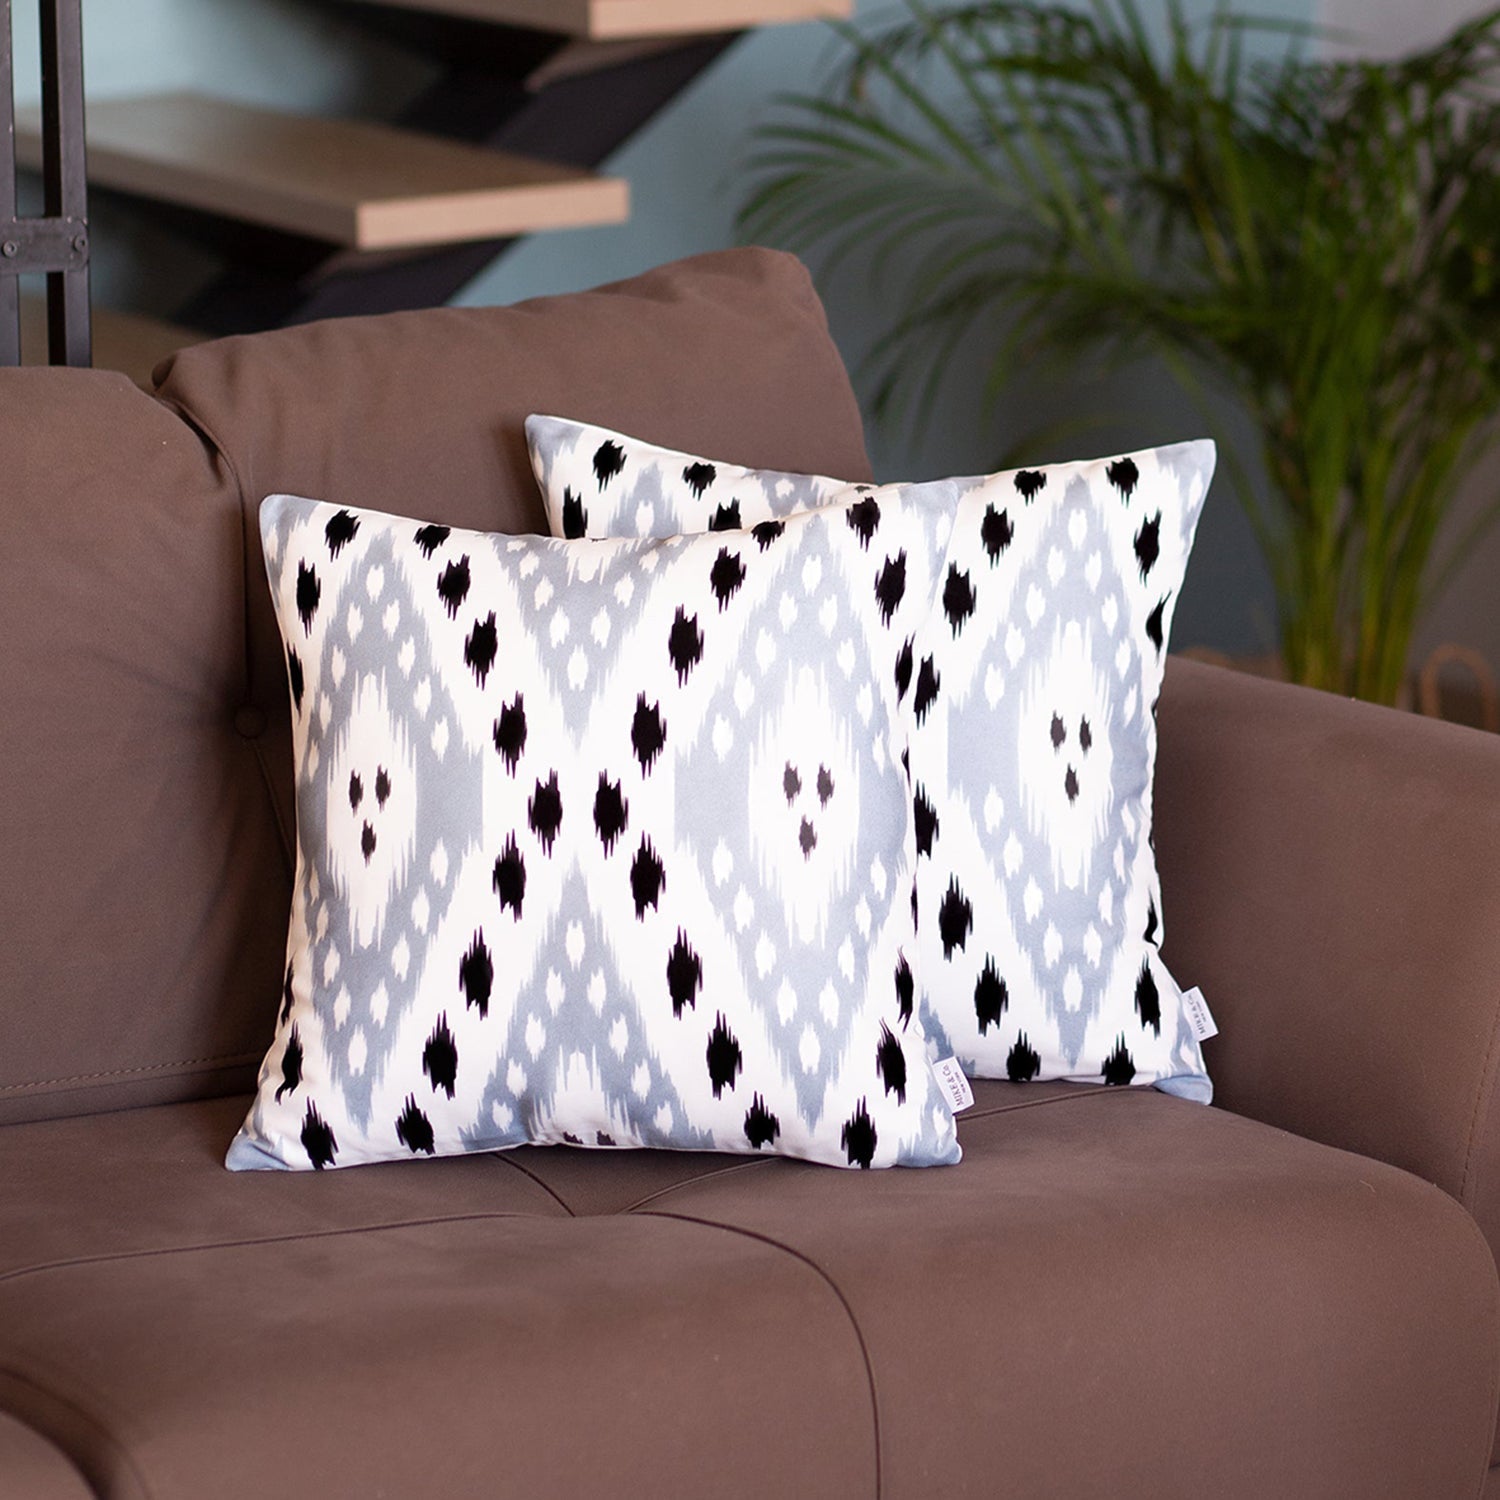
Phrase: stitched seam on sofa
pixel 269 1239
pixel 207 435
pixel 501 1159
pixel 709 1176
pixel 830 1283
pixel 1484 1095
pixel 227 1059
pixel 1084 1092
pixel 119 1451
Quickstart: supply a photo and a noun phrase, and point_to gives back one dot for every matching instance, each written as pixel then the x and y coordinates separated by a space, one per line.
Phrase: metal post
pixel 65 182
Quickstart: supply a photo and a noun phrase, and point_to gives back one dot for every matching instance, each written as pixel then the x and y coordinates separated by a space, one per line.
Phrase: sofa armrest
pixel 1331 880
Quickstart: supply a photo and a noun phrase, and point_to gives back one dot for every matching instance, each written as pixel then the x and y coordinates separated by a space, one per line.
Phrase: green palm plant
pixel 1318 236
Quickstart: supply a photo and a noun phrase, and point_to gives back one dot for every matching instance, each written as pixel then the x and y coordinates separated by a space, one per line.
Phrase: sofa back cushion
pixel 145 744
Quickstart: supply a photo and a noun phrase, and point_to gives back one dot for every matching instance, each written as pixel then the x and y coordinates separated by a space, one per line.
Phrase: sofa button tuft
pixel 250 722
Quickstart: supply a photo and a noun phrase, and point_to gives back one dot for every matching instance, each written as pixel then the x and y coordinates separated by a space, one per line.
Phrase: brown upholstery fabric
pixel 31 1468
pixel 1331 878
pixel 1116 1295
pixel 141 871
pixel 147 872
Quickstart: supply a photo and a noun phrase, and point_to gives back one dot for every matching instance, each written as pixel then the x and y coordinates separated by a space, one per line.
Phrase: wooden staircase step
pixel 357 184
pixel 603 20
pixel 128 342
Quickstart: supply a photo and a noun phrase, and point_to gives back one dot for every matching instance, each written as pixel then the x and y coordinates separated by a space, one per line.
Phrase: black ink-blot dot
pixel 890 1063
pixel 928 683
pixel 766 532
pixel 318 1139
pixel 1119 1068
pixel 684 974
pixel 684 644
pixel 286 997
pixel 453 586
pixel 698 477
pixel 1058 731
pixel 340 531
pixel 601 1138
pixel 382 785
pixel 575 518
pixel 890 586
pixel 904 664
pixel 761 1126
pixel 858 1137
pixel 726 576
pixel 611 812
pixel 1085 736
pixel 510 732
pixel 807 838
pixel 1148 545
pixel 291 1065
pixel 1151 923
pixel 482 647
pixel 367 843
pixel 791 783
pixel 647 878
pixel 1147 1000
pixel 510 877
pixel 825 785
pixel 958 599
pixel 1154 624
pixel 1124 475
pixel 726 517
pixel 648 732
pixel 476 975
pixel 996 532
pixel 1070 784
pixel 430 538
pixel 295 678
pixel 955 918
pixel 309 592
pixel 609 459
pixel 1030 483
pixel 356 791
pixel 414 1129
pixel 906 989
pixel 991 996
pixel 1023 1064
pixel 723 1056
pixel 545 811
pixel 440 1057
pixel 571 1139
pixel 863 517
pixel 925 816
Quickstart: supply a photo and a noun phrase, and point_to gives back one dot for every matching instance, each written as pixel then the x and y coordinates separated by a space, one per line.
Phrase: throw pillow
pixel 1034 687
pixel 605 842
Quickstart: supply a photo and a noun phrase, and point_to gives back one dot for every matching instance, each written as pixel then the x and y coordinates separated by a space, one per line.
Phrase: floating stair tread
pixel 128 342
pixel 366 186
pixel 603 20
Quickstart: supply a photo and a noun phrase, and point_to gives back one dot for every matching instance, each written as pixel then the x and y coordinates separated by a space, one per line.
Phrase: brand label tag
pixel 955 1086
pixel 1199 1017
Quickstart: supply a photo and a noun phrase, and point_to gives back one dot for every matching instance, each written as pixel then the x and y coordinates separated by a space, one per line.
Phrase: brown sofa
pixel 1117 1294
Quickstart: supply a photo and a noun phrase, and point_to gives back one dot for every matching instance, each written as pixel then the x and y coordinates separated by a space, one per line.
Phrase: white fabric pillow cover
pixel 1034 686
pixel 553 883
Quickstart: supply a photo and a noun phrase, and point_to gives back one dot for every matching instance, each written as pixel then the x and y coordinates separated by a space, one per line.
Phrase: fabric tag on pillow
pixel 1033 685
pixel 1199 1017
pixel 954 1083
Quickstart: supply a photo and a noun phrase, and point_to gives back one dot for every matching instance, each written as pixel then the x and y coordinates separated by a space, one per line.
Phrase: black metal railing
pixel 58 242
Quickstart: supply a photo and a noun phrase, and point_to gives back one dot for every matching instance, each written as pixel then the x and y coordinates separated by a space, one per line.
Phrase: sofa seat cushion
pixel 1117 1293
pixel 31 1468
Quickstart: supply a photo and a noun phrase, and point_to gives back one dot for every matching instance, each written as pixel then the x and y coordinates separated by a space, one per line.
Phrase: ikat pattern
pixel 1033 686
pixel 604 843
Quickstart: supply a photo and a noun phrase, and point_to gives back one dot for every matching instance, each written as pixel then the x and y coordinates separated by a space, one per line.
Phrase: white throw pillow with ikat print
pixel 600 842
pixel 1034 686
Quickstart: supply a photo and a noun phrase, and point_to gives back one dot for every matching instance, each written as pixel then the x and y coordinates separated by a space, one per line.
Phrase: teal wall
pixel 685 171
